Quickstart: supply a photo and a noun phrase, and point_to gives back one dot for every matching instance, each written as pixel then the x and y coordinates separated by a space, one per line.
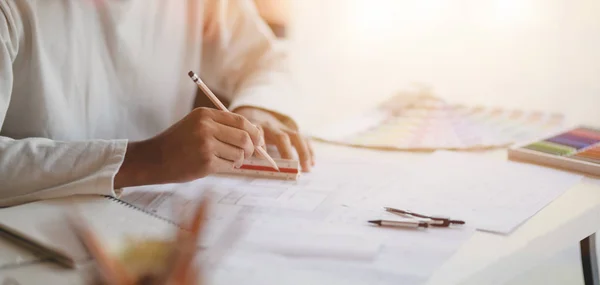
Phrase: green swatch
pixel 551 148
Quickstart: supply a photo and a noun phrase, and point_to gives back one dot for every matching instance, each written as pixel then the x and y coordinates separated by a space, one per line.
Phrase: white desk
pixel 493 259
pixel 485 259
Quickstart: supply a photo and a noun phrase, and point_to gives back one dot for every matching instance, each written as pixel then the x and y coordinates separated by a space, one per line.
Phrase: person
pixel 94 94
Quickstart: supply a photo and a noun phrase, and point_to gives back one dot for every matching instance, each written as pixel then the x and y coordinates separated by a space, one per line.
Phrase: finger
pixel 234 155
pixel 302 150
pixel 261 131
pixel 281 140
pixel 311 151
pixel 221 165
pixel 236 138
pixel 239 122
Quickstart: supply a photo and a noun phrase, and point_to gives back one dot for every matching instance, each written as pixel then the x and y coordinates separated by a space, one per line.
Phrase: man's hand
pixel 283 137
pixel 206 141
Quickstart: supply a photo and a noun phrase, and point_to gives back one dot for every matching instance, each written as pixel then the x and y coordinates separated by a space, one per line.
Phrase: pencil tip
pixel 376 222
pixel 191 74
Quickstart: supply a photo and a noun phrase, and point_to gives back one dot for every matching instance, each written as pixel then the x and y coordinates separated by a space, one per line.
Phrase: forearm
pixel 36 168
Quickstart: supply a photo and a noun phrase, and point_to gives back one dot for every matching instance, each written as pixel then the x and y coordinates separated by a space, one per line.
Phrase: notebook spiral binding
pixel 127 204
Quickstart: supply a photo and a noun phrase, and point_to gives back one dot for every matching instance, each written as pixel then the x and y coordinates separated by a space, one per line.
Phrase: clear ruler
pixel 288 169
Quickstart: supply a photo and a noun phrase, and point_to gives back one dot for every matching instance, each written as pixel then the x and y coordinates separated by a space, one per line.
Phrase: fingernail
pixel 306 167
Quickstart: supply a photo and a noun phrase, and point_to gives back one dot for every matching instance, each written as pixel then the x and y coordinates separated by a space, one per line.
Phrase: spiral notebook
pixel 111 219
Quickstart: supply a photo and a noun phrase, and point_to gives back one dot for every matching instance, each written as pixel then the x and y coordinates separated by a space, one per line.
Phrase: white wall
pixel 535 54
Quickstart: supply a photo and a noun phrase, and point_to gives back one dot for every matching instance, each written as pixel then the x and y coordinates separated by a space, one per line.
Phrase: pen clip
pixel 437 221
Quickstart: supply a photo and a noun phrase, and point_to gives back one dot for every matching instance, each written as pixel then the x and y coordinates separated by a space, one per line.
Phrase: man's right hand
pixel 206 141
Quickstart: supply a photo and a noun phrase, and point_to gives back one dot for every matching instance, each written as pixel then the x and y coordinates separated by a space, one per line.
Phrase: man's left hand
pixel 285 138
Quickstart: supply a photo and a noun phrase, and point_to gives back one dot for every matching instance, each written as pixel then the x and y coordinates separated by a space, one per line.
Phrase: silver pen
pixel 400 224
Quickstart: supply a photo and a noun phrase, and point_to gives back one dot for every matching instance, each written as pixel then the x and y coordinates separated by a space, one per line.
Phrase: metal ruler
pixel 288 169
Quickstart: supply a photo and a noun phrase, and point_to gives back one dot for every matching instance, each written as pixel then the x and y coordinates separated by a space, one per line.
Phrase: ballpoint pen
pixel 437 221
pixel 222 107
pixel 400 224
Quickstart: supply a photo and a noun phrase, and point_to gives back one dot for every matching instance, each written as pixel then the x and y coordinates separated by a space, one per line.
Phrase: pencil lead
pixel 376 222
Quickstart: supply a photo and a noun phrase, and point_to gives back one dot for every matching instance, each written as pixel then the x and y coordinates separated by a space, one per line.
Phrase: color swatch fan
pixel 428 123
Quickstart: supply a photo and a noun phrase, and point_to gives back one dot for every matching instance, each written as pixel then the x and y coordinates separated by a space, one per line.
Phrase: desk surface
pixel 488 257
pixel 485 257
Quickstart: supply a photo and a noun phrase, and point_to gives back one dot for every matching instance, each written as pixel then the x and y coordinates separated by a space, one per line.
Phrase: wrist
pixel 134 171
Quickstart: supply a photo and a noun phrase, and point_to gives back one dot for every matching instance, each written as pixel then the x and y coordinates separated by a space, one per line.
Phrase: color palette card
pixel 576 149
pixel 429 123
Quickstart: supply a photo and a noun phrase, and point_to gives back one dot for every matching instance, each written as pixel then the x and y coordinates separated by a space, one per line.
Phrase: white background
pixel 531 54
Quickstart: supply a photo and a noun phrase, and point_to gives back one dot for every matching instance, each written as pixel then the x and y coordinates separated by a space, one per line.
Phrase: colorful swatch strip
pixel 580 143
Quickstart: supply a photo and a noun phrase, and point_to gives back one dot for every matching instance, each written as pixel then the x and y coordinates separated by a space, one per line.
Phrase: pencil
pixel 211 96
pixel 46 252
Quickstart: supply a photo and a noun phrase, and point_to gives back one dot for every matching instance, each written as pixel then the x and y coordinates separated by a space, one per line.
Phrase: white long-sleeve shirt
pixel 81 78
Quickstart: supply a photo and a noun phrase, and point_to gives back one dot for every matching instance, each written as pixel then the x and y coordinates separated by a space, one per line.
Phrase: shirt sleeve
pixel 243 60
pixel 38 168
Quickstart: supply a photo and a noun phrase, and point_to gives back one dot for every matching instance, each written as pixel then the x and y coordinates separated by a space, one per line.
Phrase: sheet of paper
pixel 343 246
pixel 331 180
pixel 492 195
pixel 300 227
pixel 177 201
pixel 334 244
